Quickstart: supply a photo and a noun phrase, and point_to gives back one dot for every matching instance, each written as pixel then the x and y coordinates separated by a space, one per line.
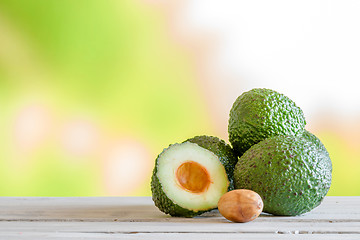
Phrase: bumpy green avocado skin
pixel 312 138
pixel 261 113
pixel 224 152
pixel 164 203
pixel 289 172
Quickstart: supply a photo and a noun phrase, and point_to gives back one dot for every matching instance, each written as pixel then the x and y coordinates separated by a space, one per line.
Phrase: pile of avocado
pixel 271 153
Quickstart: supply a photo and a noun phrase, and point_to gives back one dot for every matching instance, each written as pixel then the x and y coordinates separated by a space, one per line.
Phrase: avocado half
pixel 190 177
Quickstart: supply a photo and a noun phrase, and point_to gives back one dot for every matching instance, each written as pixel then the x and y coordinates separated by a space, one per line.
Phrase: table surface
pixel 138 218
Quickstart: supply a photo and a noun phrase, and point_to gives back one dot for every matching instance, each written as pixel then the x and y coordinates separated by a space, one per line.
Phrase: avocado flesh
pixel 225 153
pixel 289 172
pixel 261 113
pixel 188 180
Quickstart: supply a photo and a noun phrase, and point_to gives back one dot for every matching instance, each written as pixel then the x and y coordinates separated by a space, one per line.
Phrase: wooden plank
pixel 172 236
pixel 138 218
pixel 78 208
pixel 185 227
pixel 143 209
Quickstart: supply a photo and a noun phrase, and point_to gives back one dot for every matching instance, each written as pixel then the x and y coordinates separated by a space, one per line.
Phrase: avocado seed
pixel 240 205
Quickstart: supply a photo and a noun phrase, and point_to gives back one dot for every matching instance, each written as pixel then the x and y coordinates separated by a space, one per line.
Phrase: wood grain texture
pixel 138 218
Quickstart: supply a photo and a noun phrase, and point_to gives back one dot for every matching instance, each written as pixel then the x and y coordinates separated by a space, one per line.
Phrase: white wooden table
pixel 138 218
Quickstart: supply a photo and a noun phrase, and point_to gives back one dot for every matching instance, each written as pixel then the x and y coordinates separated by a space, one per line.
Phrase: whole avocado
pixel 289 172
pixel 261 113
pixel 312 138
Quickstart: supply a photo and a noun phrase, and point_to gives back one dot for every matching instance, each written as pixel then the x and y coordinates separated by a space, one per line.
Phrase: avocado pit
pixel 193 177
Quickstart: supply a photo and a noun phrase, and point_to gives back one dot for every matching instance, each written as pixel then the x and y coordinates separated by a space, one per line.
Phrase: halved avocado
pixel 188 180
pixel 224 151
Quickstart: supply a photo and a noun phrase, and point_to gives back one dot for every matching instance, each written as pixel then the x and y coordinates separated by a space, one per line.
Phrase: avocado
pixel 225 153
pixel 261 113
pixel 314 139
pixel 290 173
pixel 190 177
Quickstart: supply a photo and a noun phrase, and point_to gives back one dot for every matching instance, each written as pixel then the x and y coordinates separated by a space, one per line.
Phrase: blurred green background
pixel 91 91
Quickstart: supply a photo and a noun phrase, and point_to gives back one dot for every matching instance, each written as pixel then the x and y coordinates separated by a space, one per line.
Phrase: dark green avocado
pixel 290 173
pixel 261 113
